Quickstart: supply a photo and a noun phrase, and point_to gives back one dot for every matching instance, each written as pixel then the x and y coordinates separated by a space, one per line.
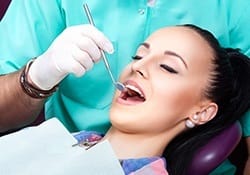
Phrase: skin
pixel 25 109
pixel 142 129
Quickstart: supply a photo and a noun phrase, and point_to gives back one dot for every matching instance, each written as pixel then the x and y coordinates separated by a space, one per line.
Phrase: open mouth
pixel 133 94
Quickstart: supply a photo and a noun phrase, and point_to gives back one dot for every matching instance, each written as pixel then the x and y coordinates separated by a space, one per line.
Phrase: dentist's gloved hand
pixel 75 51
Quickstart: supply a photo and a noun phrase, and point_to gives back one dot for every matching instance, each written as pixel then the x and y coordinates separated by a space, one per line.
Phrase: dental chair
pixel 211 155
pixel 3 7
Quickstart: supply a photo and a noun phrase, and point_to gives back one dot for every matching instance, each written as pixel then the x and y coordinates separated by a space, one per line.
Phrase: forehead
pixel 178 34
pixel 182 40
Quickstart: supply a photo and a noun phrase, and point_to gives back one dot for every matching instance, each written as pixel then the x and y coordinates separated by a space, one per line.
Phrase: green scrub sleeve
pixel 22 31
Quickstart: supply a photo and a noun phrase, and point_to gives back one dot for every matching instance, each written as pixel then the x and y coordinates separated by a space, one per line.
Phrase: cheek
pixel 161 114
pixel 174 99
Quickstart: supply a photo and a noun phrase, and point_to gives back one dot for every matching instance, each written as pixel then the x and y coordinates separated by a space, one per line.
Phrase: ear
pixel 207 113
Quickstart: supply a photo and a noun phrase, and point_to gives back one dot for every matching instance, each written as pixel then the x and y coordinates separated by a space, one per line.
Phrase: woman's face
pixel 165 82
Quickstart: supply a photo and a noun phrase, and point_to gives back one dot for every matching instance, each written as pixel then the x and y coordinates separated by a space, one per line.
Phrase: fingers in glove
pixel 98 37
pixel 83 58
pixel 86 44
pixel 77 68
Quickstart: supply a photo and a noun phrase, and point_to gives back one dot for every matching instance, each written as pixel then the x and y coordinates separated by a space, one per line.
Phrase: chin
pixel 121 116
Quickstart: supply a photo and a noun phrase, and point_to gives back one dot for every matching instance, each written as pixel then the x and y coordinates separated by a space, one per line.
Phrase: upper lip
pixel 136 88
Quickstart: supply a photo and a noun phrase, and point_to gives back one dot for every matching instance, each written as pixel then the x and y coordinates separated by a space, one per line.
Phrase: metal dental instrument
pixel 117 84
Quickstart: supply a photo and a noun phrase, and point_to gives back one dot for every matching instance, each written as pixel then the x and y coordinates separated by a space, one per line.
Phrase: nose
pixel 141 68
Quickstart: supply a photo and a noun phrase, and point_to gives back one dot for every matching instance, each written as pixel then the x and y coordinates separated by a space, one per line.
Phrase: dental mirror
pixel 117 84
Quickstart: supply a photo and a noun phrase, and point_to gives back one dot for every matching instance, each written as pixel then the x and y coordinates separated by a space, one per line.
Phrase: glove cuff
pixel 29 89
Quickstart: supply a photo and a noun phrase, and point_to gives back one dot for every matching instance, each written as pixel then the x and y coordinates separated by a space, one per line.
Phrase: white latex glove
pixel 75 51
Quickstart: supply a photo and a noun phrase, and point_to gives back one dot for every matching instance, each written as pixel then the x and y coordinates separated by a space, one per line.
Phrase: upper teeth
pixel 134 89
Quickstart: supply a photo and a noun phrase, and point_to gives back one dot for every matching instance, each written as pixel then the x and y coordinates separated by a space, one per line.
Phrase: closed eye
pixel 136 57
pixel 169 69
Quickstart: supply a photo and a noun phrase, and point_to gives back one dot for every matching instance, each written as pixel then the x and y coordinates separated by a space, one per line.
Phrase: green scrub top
pixel 29 27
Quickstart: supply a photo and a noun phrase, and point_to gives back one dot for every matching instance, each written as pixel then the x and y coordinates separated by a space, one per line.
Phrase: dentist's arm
pixel 75 51
pixel 17 109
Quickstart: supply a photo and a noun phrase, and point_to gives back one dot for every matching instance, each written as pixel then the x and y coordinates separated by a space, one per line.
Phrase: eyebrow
pixel 145 45
pixel 167 52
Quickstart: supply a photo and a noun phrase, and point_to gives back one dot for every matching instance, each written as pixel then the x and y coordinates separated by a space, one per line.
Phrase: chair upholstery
pixel 215 151
pixel 3 7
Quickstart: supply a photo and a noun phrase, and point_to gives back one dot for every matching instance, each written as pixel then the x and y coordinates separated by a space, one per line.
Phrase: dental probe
pixel 117 84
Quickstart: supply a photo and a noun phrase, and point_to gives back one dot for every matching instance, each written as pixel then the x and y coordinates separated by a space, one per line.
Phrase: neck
pixel 134 145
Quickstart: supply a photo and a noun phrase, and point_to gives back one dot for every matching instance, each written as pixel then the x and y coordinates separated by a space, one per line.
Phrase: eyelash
pixel 169 69
pixel 164 66
pixel 136 57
